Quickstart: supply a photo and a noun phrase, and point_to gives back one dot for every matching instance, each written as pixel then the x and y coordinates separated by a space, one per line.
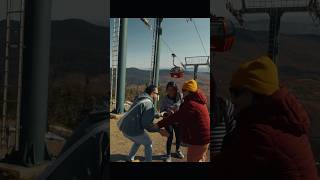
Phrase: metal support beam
pixel 196 64
pixel 274 28
pixel 35 82
pixel 155 77
pixel 121 81
pixel 275 14
pixel 146 22
pixel 21 46
pixel 268 10
pixel 6 74
pixel 195 72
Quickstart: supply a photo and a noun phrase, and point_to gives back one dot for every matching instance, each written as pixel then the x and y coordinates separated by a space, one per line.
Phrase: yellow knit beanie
pixel 259 76
pixel 190 86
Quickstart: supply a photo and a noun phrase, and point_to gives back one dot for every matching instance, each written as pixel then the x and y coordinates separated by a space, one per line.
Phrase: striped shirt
pixel 224 125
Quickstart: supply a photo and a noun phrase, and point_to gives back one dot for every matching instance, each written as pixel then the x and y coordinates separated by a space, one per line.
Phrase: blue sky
pixel 180 35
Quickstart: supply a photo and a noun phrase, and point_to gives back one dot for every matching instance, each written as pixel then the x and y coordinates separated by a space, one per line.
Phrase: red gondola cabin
pixel 177 72
pixel 222 34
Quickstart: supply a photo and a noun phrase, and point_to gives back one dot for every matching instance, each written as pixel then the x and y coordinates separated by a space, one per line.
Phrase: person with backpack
pixel 138 119
pixel 169 105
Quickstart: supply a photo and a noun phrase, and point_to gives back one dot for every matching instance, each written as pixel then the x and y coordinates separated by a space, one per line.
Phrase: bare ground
pixel 120 146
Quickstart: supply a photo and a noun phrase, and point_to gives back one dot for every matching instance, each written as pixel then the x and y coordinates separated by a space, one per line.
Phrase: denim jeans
pixel 143 139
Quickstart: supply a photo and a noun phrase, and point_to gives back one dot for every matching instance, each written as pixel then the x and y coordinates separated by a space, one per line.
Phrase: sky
pixel 180 35
pixel 94 11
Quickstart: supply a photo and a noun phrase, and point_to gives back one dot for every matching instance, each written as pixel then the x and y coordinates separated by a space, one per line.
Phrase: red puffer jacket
pixel 269 142
pixel 193 118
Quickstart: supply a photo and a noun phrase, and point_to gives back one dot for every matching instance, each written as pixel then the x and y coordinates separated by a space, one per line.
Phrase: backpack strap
pixel 119 124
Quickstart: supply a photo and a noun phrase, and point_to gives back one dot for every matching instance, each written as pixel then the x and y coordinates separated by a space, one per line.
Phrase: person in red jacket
pixel 270 140
pixel 193 118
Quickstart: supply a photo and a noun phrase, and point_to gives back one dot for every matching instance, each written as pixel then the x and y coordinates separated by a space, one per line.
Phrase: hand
pixel 171 109
pixel 162 114
pixel 166 114
pixel 174 108
pixel 164 132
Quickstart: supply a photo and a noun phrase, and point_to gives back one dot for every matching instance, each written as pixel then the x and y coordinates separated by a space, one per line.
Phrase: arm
pixel 162 109
pixel 175 106
pixel 157 114
pixel 148 117
pixel 230 124
pixel 230 119
pixel 176 117
pixel 166 108
pixel 163 105
pixel 179 102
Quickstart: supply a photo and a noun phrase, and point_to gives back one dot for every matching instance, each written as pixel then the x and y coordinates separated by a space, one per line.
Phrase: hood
pixel 294 117
pixel 197 96
pixel 142 96
pixel 281 110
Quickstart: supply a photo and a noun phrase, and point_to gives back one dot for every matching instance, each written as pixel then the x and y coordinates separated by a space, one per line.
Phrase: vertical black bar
pixel 35 81
pixel 274 28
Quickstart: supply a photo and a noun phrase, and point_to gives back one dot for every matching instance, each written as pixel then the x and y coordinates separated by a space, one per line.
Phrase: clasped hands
pixel 166 113
pixel 163 132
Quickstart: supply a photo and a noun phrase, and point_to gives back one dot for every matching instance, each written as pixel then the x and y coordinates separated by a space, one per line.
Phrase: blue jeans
pixel 143 139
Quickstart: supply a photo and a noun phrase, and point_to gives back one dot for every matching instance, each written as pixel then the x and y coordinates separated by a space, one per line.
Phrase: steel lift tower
pixel 275 9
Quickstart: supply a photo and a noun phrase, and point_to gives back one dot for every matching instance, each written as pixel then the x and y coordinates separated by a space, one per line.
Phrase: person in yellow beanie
pixel 190 86
pixel 258 77
pixel 194 121
pixel 270 138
